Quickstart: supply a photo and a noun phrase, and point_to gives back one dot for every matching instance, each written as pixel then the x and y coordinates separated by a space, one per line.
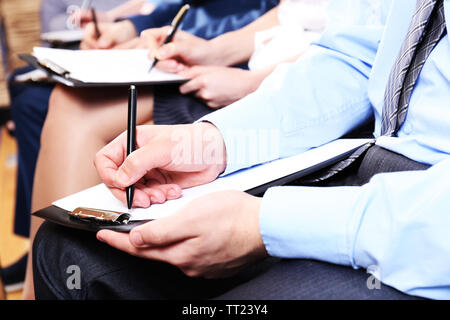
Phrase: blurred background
pixel 20 32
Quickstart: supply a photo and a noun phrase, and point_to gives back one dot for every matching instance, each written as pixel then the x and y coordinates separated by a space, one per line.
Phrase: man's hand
pixel 112 35
pixel 214 236
pixel 167 159
pixel 217 86
pixel 184 50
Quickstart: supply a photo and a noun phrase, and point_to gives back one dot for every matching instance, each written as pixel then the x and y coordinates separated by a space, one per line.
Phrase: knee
pixel 66 117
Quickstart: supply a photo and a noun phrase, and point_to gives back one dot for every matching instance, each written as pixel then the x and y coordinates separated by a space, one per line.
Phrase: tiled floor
pixel 11 246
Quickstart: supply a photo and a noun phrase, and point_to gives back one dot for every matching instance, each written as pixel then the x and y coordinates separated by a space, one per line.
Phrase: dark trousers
pixel 29 106
pixel 109 274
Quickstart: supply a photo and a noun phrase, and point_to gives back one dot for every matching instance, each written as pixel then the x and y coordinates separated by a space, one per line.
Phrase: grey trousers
pixel 106 273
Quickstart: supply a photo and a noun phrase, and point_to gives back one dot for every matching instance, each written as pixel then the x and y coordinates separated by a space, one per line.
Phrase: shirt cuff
pixel 309 223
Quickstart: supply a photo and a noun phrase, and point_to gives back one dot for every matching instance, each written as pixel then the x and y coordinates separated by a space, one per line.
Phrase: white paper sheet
pixel 99 197
pixel 105 66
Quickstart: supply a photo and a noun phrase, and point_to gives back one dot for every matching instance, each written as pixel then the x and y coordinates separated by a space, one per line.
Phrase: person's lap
pixel 172 107
pixel 106 273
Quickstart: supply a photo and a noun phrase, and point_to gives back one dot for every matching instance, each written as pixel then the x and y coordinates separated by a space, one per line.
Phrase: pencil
pixel 94 19
pixel 175 25
pixel 131 135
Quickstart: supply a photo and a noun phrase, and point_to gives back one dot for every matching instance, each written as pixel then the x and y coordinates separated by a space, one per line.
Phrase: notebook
pixel 254 180
pixel 78 68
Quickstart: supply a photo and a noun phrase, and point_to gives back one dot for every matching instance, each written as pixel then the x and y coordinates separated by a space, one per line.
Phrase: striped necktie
pixel 426 29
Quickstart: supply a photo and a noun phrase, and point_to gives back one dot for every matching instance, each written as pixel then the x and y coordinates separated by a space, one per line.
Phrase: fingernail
pixel 99 237
pixel 155 200
pixel 136 239
pixel 172 193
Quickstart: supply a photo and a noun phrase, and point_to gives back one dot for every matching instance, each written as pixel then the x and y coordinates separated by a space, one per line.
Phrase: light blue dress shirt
pixel 398 225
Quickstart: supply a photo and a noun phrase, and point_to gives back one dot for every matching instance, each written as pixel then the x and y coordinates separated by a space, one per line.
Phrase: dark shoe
pixel 14 275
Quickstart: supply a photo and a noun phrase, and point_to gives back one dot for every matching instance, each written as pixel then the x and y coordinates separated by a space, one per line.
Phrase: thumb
pixel 137 164
pixel 162 232
pixel 106 40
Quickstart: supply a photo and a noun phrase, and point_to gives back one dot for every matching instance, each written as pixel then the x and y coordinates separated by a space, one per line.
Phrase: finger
pixel 163 232
pixel 86 16
pixel 140 198
pixel 112 157
pixel 204 94
pixel 120 241
pixel 147 194
pixel 215 104
pixel 138 163
pixel 171 66
pixel 108 159
pixel 160 193
pixel 89 40
pixel 155 37
pixel 123 242
pixel 192 72
pixel 175 50
pixel 192 86
pixel 107 39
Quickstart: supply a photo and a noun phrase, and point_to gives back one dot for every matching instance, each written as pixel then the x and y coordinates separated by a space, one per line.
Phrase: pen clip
pixel 103 216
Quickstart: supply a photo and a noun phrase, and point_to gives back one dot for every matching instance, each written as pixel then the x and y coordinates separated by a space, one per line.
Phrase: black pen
pixel 131 135
pixel 94 19
pixel 175 25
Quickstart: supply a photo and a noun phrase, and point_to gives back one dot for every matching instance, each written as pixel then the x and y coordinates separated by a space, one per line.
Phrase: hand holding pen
pixel 174 27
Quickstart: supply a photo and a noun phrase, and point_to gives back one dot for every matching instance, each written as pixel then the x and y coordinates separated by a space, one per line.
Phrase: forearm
pixel 225 47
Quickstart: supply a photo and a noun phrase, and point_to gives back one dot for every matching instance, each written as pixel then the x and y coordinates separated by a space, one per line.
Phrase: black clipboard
pixel 63 217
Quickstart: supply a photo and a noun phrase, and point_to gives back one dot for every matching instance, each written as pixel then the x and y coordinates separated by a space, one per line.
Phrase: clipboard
pixel 90 223
pixel 57 74
pixel 63 38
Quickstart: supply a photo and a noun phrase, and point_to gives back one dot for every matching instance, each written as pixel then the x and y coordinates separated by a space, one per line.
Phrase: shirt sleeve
pixel 53 16
pixel 396 226
pixel 161 16
pixel 326 88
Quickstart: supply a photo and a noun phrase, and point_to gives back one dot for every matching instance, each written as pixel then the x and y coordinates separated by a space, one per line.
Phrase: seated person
pixel 125 10
pixel 29 105
pixel 202 20
pixel 393 223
